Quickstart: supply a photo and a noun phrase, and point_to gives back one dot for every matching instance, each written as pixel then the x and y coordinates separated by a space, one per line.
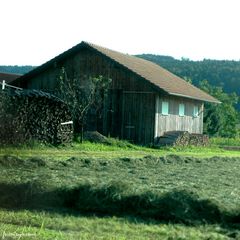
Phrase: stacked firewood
pixel 182 138
pixel 65 133
pixel 33 115
pixel 198 139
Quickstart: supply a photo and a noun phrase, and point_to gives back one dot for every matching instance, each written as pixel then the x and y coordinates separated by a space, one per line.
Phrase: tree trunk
pixel 81 139
pixel 78 130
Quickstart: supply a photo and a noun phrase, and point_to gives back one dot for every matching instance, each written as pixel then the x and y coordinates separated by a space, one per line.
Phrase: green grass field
pixel 119 149
pixel 94 191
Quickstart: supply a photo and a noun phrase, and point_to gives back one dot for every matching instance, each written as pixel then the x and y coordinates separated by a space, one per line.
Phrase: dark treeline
pixel 219 73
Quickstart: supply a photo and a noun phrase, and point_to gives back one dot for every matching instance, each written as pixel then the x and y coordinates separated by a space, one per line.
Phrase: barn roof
pixel 8 77
pixel 151 72
pixel 33 93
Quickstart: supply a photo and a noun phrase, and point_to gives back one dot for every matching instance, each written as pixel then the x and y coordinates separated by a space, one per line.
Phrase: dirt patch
pixel 95 137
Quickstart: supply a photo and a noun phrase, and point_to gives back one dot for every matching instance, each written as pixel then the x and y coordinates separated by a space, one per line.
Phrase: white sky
pixel 34 31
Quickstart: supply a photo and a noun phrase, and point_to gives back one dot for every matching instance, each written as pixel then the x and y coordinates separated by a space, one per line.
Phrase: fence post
pixel 3 84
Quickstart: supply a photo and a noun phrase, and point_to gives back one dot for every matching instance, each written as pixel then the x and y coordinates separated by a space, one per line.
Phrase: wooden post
pixel 123 114
pixel 156 116
pixel 3 84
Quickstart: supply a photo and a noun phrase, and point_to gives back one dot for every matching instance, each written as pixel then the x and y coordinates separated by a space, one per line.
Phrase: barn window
pixel 165 108
pixel 195 111
pixel 181 109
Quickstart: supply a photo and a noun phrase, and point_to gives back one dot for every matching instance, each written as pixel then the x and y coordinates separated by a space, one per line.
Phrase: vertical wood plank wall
pixel 138 116
pixel 174 122
pixel 128 110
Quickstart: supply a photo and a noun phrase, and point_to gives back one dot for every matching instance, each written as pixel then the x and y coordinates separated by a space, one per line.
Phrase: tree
pixel 221 119
pixel 81 94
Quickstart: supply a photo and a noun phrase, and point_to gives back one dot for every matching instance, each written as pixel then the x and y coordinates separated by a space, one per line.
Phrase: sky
pixel 35 31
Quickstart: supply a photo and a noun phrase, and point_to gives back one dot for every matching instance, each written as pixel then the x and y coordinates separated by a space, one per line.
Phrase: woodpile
pixel 182 138
pixel 33 115
pixel 94 136
pixel 65 133
pixel 198 139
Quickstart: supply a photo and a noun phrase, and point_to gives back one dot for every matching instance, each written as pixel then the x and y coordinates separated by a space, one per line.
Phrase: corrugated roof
pixel 151 72
pixel 8 77
pixel 34 93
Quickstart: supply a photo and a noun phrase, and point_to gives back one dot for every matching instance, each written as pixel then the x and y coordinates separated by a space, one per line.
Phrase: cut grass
pixel 215 178
pixel 43 225
pixel 126 187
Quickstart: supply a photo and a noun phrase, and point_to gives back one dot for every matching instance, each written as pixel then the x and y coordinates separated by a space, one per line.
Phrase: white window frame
pixel 181 109
pixel 195 111
pixel 165 108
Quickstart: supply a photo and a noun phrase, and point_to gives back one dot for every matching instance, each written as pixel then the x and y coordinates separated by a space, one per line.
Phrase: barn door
pixel 138 117
pixel 112 113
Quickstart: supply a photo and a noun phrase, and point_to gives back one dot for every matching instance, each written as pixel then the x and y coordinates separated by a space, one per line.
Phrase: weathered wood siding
pixel 174 122
pixel 138 116
pixel 85 63
pixel 130 115
pixel 129 109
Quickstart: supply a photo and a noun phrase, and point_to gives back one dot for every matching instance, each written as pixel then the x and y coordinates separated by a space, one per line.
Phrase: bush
pixel 225 141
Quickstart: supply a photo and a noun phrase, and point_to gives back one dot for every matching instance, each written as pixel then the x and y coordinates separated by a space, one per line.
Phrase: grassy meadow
pixel 119 191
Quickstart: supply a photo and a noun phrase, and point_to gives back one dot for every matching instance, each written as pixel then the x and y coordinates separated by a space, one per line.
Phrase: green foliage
pixel 220 120
pixel 218 141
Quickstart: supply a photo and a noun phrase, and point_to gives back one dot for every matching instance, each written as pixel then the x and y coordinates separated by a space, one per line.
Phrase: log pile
pixel 65 133
pixel 94 136
pixel 33 115
pixel 182 138
pixel 198 139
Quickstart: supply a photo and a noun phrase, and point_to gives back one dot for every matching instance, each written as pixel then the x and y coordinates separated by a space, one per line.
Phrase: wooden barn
pixel 144 100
